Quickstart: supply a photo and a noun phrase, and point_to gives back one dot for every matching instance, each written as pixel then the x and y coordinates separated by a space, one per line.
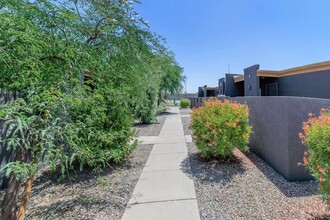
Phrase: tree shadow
pixel 160 119
pixel 49 177
pixel 289 189
pixel 89 194
pixel 59 209
pixel 212 171
pixel 168 113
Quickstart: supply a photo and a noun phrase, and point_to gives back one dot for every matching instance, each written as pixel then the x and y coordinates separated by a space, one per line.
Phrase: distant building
pixel 304 81
pixel 206 91
pixel 228 87
pixel 181 96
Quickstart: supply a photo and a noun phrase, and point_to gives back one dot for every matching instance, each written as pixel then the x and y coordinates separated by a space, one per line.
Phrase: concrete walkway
pixel 164 191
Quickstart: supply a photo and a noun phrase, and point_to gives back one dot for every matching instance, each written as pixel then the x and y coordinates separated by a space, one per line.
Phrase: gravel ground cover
pixel 247 188
pixel 151 129
pixel 185 123
pixel 90 195
pixel 185 111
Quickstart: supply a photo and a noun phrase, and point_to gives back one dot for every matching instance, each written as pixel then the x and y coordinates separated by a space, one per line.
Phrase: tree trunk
pixel 26 197
pixel 9 203
pixel 27 190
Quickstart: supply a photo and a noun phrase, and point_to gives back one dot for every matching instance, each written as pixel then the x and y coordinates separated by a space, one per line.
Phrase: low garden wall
pixel 277 122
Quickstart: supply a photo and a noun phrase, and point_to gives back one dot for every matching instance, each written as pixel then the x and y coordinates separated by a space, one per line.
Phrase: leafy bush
pixel 82 70
pixel 316 136
pixel 185 103
pixel 218 127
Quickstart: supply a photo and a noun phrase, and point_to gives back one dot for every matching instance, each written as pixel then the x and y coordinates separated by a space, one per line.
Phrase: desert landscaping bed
pixel 90 195
pixel 186 120
pixel 247 188
pixel 185 123
pixel 151 129
pixel 185 111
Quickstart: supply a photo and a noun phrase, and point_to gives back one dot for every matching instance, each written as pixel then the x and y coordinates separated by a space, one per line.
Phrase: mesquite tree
pixel 82 71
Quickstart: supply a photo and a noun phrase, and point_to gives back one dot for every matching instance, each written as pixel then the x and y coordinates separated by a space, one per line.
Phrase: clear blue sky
pixel 207 35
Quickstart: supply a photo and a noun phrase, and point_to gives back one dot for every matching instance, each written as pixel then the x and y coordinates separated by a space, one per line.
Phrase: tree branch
pixel 96 34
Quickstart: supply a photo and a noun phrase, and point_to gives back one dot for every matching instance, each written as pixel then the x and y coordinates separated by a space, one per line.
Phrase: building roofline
pixel 296 70
pixel 292 71
pixel 238 78
pixel 211 88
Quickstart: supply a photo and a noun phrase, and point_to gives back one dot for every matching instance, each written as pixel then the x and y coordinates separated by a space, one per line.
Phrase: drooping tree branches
pixel 83 70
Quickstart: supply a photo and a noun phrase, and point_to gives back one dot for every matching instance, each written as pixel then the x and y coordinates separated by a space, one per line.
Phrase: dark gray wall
pixel 277 122
pixel 200 92
pixel 264 81
pixel 314 84
pixel 251 81
pixel 196 102
pixel 5 155
pixel 233 89
pixel 212 93
pixel 222 86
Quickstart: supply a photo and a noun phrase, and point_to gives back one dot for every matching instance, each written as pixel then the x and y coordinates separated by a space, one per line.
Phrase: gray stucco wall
pixel 233 89
pixel 277 122
pixel 314 84
pixel 251 81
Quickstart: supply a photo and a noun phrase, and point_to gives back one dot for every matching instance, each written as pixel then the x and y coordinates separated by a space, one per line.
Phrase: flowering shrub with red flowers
pixel 219 127
pixel 316 136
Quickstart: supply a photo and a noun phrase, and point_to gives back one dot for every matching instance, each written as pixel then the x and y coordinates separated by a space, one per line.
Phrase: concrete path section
pixel 164 191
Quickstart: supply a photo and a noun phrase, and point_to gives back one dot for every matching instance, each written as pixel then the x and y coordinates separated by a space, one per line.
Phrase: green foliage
pixel 90 67
pixel 316 136
pixel 88 199
pixel 219 127
pixel 103 182
pixel 147 109
pixel 185 103
pixel 83 70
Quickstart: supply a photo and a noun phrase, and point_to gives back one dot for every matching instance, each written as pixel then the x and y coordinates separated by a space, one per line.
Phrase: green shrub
pixel 219 127
pixel 184 103
pixel 316 136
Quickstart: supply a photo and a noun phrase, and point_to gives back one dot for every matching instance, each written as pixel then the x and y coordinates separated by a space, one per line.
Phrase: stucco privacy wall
pixel 277 122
